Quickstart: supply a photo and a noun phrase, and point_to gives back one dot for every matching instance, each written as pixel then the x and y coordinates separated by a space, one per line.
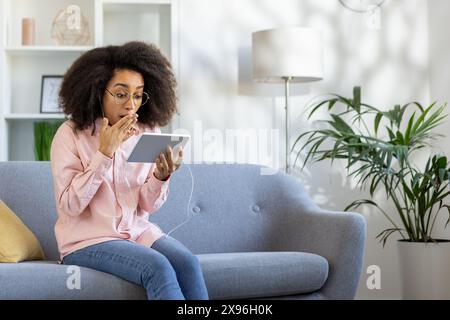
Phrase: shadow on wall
pixel 376 60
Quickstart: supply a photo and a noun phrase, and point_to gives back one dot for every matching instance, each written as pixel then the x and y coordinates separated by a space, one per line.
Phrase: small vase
pixel 28 32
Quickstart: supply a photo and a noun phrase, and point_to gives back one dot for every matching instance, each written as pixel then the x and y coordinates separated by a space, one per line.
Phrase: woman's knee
pixel 159 266
pixel 177 253
pixel 160 279
pixel 188 262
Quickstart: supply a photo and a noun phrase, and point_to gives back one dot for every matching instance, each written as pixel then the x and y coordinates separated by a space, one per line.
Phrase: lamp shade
pixel 294 52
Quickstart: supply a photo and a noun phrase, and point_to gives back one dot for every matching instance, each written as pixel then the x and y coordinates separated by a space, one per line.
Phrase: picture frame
pixel 50 87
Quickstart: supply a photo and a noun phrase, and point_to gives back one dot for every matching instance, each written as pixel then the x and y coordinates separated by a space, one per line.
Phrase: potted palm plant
pixel 378 148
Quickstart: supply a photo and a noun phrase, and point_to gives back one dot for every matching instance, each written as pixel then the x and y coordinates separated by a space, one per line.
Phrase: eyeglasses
pixel 138 98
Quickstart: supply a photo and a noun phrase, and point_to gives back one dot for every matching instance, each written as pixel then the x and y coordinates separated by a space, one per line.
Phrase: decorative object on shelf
pixel 371 8
pixel 28 32
pixel 292 54
pixel 43 136
pixel 70 27
pixel 49 94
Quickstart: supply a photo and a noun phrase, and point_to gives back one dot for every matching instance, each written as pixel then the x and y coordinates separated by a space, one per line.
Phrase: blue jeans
pixel 167 270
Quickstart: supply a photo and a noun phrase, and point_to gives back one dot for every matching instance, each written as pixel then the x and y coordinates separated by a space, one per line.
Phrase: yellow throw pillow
pixel 17 242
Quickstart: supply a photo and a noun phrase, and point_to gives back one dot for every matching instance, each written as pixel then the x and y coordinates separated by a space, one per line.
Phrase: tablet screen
pixel 151 145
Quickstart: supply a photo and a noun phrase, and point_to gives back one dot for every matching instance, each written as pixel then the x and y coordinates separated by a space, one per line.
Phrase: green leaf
pixel 400 139
pixel 378 118
pixel 441 162
pixel 340 125
pixel 391 134
pixel 331 103
pixel 315 108
pixel 357 98
pixel 408 192
pixel 385 234
pixel 422 117
pixel 408 129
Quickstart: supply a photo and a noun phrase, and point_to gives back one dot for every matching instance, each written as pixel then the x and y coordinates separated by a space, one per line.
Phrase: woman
pixel 113 94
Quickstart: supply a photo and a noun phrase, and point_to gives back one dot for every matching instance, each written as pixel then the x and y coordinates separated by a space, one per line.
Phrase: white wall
pixel 439 55
pixel 391 65
pixel 439 70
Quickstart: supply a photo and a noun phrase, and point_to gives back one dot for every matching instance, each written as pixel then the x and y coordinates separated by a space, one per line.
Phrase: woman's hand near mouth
pixel 112 137
pixel 133 130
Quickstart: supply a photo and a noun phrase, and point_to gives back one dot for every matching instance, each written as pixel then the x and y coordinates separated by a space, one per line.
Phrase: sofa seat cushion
pixel 227 275
pixel 49 280
pixel 262 274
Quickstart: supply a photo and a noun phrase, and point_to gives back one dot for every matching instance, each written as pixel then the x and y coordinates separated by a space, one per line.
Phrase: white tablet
pixel 151 145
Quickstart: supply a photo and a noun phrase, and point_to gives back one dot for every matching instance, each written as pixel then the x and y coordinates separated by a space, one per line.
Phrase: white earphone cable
pixel 188 215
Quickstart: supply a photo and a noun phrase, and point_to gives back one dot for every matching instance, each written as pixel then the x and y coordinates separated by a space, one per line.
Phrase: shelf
pixel 135 2
pixel 45 50
pixel 142 7
pixel 33 116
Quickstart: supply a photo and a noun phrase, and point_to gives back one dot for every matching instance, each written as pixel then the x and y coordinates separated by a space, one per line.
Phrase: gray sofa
pixel 256 236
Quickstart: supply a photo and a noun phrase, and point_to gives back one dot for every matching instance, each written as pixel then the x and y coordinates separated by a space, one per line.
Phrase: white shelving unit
pixel 22 67
pixel 33 116
pixel 37 51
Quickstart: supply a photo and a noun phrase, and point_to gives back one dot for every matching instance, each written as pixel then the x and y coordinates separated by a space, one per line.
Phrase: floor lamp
pixel 289 55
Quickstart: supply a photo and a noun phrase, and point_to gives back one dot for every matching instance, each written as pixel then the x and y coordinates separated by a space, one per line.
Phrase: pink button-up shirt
pixel 100 198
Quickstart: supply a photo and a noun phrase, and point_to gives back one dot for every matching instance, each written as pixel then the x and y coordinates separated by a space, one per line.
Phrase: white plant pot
pixel 425 270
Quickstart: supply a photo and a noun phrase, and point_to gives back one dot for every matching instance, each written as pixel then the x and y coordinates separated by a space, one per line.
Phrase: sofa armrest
pixel 337 236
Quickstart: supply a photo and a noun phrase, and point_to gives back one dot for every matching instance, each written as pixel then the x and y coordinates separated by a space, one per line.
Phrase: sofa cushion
pixel 262 274
pixel 17 242
pixel 227 275
pixel 46 280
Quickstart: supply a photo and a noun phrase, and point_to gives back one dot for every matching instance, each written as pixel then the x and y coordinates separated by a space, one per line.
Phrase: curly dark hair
pixel 85 82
